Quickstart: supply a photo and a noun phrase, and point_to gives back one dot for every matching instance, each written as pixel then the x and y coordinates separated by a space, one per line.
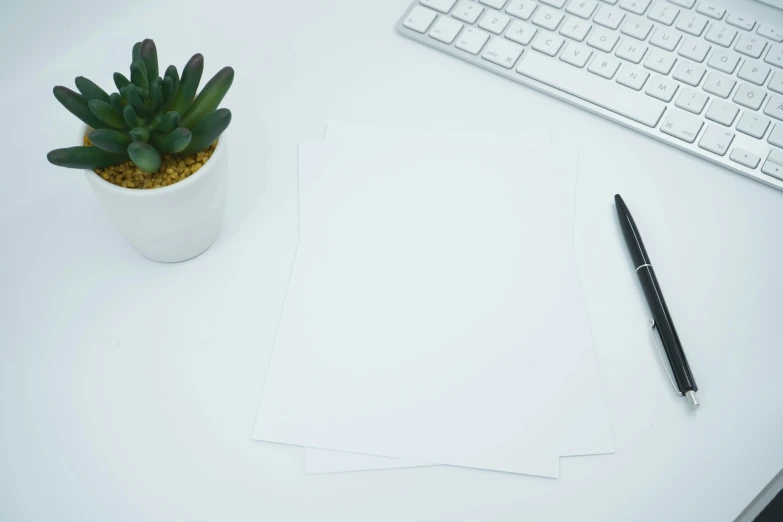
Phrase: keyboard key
pixel 548 43
pixel 692 24
pixel 635 6
pixel 661 88
pixel 722 112
pixel 582 8
pixel 744 157
pixel 775 56
pixel 467 11
pixel 724 61
pixel 419 19
pixel 604 66
pixel 445 29
pixel 502 52
pixel 444 6
pixel 665 38
pixel 776 136
pixel 754 72
pixel 521 8
pixel 494 4
pixel 721 34
pixel 749 96
pixel 575 29
pixel 633 77
pixel 660 62
pixel 547 18
pixel 691 100
pixel 631 50
pixel 610 1
pixel 695 49
pixel 689 72
pixel 711 10
pixel 775 156
pixel 687 4
pixel 776 83
pixel 682 125
pixel 554 3
pixel 774 107
pixel 719 84
pixel 494 22
pixel 753 124
pixel 773 169
pixel 638 29
pixel 609 17
pixel 741 21
pixel 575 54
pixel 472 40
pixel 716 140
pixel 771 32
pixel 750 45
pixel 521 32
pixel 603 40
pixel 663 12
pixel 591 88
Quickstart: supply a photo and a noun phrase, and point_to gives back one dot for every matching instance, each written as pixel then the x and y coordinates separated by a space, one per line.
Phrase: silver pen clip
pixel 654 328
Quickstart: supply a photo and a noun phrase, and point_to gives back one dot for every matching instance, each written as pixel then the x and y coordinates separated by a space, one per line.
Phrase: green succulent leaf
pixel 89 90
pixel 149 53
pixel 176 141
pixel 139 134
pixel 120 80
pixel 136 51
pixel 144 156
pixel 208 130
pixel 209 98
pixel 168 122
pixel 139 76
pixel 110 140
pixel 171 72
pixel 106 113
pixel 188 85
pixel 85 158
pixel 131 118
pixel 167 90
pixel 116 102
pixel 77 105
pixel 157 139
pixel 133 95
pixel 156 95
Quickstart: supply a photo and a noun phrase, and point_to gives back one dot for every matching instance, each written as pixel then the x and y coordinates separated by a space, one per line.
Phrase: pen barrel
pixel 663 320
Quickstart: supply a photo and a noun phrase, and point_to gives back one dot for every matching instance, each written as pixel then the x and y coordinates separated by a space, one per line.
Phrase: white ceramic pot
pixel 172 223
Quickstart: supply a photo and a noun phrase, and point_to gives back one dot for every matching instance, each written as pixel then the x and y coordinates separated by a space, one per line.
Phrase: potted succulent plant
pixel 153 153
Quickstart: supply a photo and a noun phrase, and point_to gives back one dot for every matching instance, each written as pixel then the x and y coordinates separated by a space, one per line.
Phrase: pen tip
pixel 617 199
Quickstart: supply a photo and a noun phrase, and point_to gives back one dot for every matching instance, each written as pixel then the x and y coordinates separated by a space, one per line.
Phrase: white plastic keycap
pixel 502 52
pixel 444 6
pixel 472 40
pixel 745 158
pixel 716 140
pixel 445 29
pixel 722 112
pixel 682 125
pixel 419 19
pixel 752 124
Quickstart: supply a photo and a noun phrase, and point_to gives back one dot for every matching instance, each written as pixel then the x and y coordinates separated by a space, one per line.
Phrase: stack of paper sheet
pixel 434 313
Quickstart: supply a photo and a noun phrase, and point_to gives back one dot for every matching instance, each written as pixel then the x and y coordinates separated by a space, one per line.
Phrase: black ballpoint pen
pixel 661 316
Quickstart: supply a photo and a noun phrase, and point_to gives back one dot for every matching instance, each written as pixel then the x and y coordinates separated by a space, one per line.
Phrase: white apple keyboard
pixel 700 78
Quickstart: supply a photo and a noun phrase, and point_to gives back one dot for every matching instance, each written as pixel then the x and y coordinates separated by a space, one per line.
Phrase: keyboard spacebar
pixel 592 88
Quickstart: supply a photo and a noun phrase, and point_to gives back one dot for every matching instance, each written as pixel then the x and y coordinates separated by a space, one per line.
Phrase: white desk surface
pixel 128 389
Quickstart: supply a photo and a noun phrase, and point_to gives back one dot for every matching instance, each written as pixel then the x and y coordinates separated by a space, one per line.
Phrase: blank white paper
pixel 442 314
pixel 279 415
